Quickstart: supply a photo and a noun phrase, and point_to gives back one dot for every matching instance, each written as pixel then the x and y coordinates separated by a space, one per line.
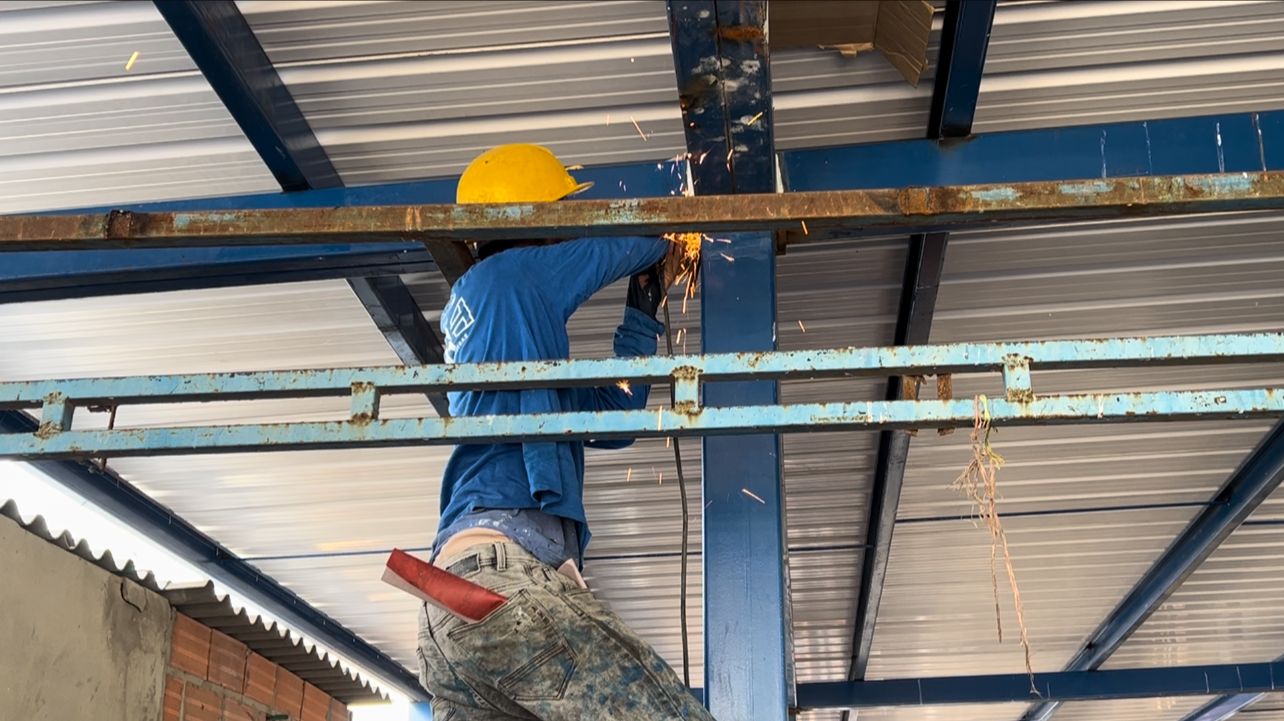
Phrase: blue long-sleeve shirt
pixel 514 306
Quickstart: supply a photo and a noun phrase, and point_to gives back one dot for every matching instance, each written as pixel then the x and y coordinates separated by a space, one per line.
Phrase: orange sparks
pixel 660 479
pixel 753 495
pixel 682 333
pixel 624 386
pixel 629 475
pixel 639 128
pixel 804 225
pixel 800 325
pixel 129 64
pixel 668 441
pixel 755 118
pixel 729 258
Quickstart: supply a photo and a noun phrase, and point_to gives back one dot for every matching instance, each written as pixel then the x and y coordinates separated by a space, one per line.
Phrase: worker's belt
pixel 443 588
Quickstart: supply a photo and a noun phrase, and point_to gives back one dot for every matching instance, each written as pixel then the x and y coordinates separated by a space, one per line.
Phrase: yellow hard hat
pixel 516 173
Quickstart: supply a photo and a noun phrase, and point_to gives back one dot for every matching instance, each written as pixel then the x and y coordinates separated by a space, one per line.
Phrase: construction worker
pixel 512 514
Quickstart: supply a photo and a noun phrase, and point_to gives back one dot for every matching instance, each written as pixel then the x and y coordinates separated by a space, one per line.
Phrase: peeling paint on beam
pixel 365 431
pixel 917 209
pixel 773 365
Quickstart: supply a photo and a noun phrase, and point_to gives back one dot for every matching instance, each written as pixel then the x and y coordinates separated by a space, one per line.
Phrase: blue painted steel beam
pixel 36 276
pixel 723 71
pixel 43 275
pixel 841 213
pixel 1242 493
pixel 1234 143
pixel 222 44
pixel 55 439
pixel 965 37
pixel 224 48
pixel 1058 686
pixel 685 371
pixel 118 497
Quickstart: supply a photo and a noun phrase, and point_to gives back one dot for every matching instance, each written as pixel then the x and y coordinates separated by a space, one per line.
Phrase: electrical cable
pixel 686 521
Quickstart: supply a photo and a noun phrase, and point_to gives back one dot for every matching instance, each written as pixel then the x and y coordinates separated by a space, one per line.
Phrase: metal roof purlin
pixel 221 43
pixel 964 39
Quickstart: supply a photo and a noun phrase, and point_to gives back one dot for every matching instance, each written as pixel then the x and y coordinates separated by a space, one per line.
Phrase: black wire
pixel 686 519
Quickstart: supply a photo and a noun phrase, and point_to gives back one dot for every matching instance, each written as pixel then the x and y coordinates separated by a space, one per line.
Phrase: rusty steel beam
pixel 919 209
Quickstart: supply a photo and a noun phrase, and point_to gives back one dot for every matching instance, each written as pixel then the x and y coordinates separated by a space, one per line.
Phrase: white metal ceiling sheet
pixel 1137 277
pixel 952 712
pixel 78 129
pixel 419 89
pixel 403 90
pixel 937 616
pixel 1070 63
pixel 1134 709
pixel 1269 708
pixel 1228 610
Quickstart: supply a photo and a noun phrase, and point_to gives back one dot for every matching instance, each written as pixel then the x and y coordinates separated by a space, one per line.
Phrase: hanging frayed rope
pixel 979 483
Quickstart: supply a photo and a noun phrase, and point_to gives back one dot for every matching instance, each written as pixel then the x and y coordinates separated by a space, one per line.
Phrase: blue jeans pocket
pixel 518 650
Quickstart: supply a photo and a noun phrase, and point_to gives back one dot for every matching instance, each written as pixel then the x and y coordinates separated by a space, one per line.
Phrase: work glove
pixel 645 291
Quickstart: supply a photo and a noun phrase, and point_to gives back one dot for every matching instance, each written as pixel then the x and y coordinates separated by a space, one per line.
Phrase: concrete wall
pixel 76 643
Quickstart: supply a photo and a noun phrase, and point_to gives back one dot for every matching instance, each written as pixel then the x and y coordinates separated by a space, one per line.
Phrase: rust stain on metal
pixel 119 225
pixel 47 430
pixel 876 210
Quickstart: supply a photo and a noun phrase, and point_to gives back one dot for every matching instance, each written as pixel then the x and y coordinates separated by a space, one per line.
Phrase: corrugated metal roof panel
pixel 206 604
pixel 937 616
pixel 77 129
pixel 1055 63
pixel 403 90
pixel 1138 709
pixel 1227 611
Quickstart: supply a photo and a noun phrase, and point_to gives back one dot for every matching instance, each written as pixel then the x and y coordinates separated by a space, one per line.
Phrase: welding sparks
pixel 624 386
pixel 804 225
pixel 754 119
pixel 800 325
pixel 577 166
pixel 753 495
pixel 729 258
pixel 682 333
pixel 129 64
pixel 660 479
pixel 668 441
pixel 639 128
pixel 659 419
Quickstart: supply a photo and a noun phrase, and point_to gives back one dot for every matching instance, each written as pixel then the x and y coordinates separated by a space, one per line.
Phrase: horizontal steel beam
pixel 1059 686
pixel 364 431
pixel 920 209
pixel 27 277
pixel 772 365
pixel 686 416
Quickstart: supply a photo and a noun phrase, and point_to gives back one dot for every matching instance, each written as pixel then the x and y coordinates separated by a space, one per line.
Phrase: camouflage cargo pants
pixel 551 652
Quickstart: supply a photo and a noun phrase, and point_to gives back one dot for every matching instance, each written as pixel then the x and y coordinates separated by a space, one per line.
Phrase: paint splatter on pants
pixel 551 652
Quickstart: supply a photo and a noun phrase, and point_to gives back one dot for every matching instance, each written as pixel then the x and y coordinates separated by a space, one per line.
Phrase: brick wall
pixel 213 677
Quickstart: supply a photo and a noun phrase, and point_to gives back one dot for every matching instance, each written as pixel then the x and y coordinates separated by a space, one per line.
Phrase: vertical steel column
pixel 724 84
pixel 965 38
pixel 224 48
